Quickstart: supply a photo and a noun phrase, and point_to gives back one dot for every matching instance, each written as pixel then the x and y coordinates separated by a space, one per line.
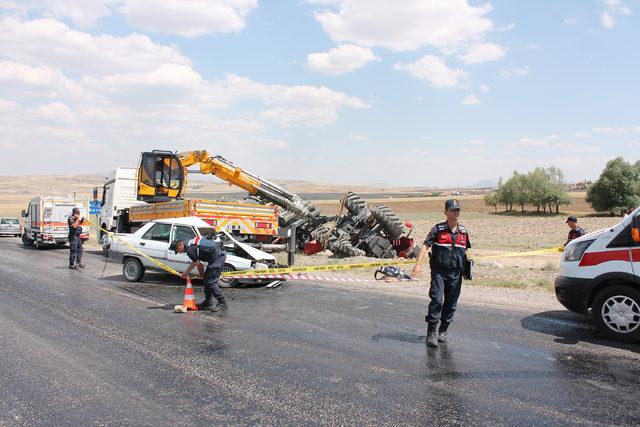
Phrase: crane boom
pixel 163 175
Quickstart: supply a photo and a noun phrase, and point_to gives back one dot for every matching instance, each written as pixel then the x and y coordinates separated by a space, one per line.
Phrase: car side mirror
pixel 635 235
pixel 23 213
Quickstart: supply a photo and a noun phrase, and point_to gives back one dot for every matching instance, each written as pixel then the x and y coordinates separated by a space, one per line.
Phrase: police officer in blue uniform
pixel 201 250
pixel 449 241
pixel 75 242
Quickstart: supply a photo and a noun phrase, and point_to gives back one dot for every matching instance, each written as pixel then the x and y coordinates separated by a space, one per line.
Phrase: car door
pixel 185 233
pixel 155 242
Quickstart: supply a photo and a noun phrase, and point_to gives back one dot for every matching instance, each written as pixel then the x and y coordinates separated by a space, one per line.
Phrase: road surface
pixel 85 347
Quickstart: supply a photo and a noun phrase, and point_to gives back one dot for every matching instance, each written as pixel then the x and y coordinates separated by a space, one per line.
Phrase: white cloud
pixel 544 141
pixel 340 60
pixel 484 88
pixel 506 27
pixel 83 13
pixel 571 20
pixel 515 72
pixel 51 43
pixel 188 18
pixel 613 9
pixel 470 99
pixel 582 135
pixel 483 52
pixel 608 130
pixel 406 25
pixel 358 137
pixel 435 70
pixel 477 142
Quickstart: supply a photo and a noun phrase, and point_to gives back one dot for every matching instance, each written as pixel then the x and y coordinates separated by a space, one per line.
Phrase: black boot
pixel 432 334
pixel 221 306
pixel 442 332
pixel 208 301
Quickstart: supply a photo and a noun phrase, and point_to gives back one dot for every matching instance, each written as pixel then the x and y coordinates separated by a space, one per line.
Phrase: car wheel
pixel 229 283
pixel 26 240
pixel 133 270
pixel 616 312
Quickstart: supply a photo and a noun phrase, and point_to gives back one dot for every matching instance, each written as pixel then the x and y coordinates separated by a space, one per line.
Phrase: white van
pixel 600 271
pixel 45 219
pixel 119 192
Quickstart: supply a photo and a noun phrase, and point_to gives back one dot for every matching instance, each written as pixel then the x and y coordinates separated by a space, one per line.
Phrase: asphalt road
pixel 78 348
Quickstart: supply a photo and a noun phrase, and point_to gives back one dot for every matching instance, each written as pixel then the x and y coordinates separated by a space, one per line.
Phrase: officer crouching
pixel 210 251
pixel 449 242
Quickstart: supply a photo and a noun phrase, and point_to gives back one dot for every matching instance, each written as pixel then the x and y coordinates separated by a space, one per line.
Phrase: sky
pixel 404 93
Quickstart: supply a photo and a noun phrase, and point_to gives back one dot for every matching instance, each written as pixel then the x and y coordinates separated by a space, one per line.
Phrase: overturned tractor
pixel 364 230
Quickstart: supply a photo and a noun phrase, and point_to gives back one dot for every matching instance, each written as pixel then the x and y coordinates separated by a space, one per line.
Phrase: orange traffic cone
pixel 189 300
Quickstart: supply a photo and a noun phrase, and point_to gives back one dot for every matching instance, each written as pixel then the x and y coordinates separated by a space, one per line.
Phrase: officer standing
pixel 210 251
pixel 449 242
pixel 575 231
pixel 75 242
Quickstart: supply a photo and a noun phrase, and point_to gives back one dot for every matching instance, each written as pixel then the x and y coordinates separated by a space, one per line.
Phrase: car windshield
pixel 10 221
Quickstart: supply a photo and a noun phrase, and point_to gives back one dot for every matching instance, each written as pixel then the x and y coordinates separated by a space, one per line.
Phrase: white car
pixel 10 227
pixel 600 272
pixel 153 239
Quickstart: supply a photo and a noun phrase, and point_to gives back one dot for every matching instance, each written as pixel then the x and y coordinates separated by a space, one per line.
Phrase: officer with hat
pixel 75 242
pixel 449 241
pixel 575 231
pixel 201 250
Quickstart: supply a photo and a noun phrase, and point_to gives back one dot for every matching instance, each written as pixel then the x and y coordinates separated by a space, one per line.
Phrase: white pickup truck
pixel 153 239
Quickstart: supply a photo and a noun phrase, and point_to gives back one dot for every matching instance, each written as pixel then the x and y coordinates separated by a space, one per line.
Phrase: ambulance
pixel 45 219
pixel 600 273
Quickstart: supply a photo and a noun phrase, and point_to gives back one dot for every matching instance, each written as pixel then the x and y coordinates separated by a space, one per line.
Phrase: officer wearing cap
pixel 210 251
pixel 449 241
pixel 75 242
pixel 574 230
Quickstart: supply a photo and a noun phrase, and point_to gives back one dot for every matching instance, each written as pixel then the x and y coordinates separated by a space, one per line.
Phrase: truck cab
pixel 600 273
pixel 118 193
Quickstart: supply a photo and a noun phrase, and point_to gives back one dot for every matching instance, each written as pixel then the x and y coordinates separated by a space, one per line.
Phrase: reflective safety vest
pixel 447 253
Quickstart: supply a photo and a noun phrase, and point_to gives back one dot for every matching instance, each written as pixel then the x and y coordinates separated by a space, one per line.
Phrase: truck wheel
pixel 229 283
pixel 26 240
pixel 354 203
pixel 133 270
pixel 389 221
pixel 616 313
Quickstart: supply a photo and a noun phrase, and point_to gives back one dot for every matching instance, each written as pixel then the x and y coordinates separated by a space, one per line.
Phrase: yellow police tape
pixel 136 250
pixel 330 267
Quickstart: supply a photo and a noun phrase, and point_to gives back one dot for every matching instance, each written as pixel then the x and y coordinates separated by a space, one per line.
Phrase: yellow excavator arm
pixel 162 176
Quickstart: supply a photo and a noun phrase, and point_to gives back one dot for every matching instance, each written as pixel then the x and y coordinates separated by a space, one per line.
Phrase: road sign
pixel 94 207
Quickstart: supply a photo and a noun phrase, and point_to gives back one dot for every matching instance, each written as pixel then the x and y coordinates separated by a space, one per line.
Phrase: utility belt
pixel 466 268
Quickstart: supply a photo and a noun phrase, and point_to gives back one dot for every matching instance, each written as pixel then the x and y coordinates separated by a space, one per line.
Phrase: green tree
pixel 492 199
pixel 617 188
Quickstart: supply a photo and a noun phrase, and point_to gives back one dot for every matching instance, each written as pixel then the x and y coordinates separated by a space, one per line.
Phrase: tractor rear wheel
pixel 381 247
pixel 389 221
pixel 354 203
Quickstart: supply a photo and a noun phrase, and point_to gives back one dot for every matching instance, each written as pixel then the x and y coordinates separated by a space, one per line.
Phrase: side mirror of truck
pixel 23 213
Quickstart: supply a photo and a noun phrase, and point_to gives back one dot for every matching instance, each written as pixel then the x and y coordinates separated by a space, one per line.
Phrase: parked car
pixel 600 272
pixel 153 239
pixel 10 227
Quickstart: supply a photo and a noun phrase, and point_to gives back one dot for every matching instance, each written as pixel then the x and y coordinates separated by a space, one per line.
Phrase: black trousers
pixel 211 280
pixel 75 250
pixel 444 293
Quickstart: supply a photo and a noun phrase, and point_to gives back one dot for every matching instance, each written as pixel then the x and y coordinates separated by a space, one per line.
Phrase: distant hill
pixel 485 183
